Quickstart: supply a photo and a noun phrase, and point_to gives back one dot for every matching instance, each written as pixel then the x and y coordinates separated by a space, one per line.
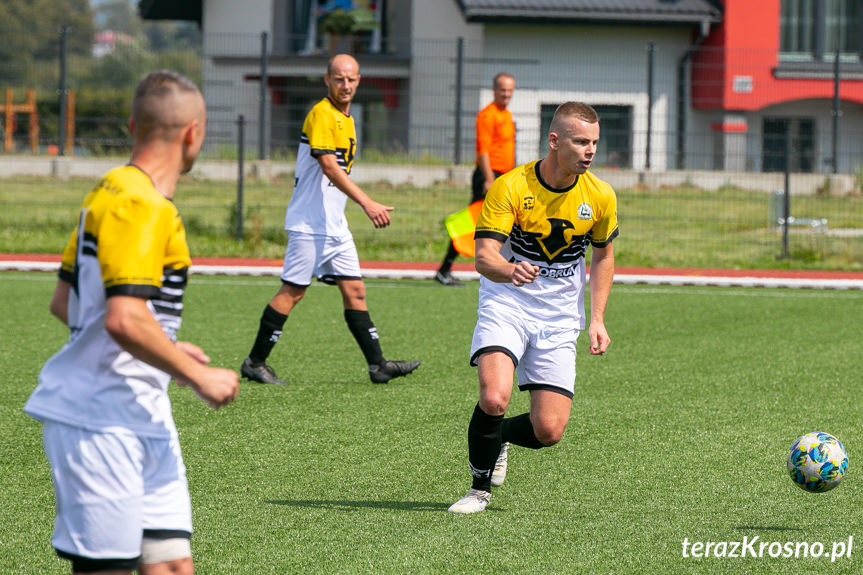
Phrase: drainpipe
pixel 703 30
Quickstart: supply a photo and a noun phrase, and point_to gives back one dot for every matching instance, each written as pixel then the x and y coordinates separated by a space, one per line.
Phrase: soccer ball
pixel 817 462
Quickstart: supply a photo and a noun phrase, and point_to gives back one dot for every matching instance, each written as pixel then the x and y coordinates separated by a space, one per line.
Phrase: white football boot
pixel 474 502
pixel 499 474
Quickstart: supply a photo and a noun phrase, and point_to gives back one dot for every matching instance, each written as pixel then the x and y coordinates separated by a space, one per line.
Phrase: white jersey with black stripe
pixel 130 241
pixel 317 206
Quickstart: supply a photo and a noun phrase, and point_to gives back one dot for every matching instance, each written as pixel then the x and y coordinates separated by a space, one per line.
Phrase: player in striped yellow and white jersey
pixel 319 241
pixel 531 238
pixel 122 499
pixel 317 206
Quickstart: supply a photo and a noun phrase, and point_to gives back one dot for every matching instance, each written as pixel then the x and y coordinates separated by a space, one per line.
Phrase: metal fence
pixel 664 106
pixel 674 121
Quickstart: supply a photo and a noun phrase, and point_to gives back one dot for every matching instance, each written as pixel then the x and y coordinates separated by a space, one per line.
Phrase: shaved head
pixel 572 111
pixel 165 102
pixel 342 61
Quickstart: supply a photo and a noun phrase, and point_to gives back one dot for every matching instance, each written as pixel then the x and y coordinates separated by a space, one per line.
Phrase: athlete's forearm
pixel 130 323
pixel 484 164
pixel 495 267
pixel 60 301
pixel 377 212
pixel 490 263
pixel 601 278
pixel 342 181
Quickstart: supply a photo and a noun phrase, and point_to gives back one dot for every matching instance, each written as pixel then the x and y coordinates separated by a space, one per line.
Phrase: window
pixel 546 113
pixel 775 136
pixel 310 22
pixel 813 30
pixel 615 136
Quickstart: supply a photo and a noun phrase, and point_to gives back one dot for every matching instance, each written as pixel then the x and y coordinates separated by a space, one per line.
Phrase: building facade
pixel 727 85
pixel 767 85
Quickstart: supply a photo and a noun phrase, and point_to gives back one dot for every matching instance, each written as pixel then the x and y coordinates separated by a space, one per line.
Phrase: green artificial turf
pixel 679 432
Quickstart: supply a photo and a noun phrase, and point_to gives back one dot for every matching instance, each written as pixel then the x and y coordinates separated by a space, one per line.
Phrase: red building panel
pixel 734 68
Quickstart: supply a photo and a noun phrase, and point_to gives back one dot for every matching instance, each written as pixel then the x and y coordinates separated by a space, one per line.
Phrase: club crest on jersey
pixel 528 202
pixel 559 238
pixel 585 212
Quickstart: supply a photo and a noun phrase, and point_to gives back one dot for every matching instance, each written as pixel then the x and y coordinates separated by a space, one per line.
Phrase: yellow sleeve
pixel 498 212
pixel 70 253
pixel 133 236
pixel 320 130
pixel 605 228
pixel 67 262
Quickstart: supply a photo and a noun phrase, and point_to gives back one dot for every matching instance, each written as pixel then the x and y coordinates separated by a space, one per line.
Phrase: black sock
pixel 449 258
pixel 518 430
pixel 363 330
pixel 483 446
pixel 269 332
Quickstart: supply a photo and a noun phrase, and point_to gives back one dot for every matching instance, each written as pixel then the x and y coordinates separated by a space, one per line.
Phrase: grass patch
pixel 673 227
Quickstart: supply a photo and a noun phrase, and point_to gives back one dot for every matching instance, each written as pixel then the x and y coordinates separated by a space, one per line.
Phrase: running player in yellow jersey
pixel 319 241
pixel 531 238
pixel 122 499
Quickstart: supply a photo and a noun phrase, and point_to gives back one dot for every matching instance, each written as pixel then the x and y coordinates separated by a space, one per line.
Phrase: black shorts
pixel 477 184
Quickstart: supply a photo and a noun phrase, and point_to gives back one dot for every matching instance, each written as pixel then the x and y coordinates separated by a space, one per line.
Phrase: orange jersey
pixel 495 136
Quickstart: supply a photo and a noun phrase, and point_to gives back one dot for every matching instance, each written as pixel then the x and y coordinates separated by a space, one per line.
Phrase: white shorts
pixel 110 487
pixel 327 258
pixel 544 356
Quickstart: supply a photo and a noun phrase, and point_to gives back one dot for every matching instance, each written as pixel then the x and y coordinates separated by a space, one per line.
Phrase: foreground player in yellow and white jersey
pixel 531 238
pixel 122 500
pixel 319 241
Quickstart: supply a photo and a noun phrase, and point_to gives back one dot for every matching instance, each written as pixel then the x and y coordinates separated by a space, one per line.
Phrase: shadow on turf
pixel 347 504
pixel 754 528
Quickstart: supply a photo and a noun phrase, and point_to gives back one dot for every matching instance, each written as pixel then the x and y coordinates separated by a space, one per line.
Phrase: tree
pixel 31 33
pixel 119 15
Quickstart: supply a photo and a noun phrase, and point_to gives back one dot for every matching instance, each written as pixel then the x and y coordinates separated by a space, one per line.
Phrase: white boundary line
pixel 29 266
pixel 795 283
pixel 626 279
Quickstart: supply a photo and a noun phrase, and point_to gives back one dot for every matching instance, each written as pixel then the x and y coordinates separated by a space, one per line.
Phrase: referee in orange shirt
pixel 495 155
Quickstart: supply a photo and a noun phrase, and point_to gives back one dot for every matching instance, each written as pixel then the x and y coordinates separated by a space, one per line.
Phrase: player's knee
pixel 354 296
pixel 173 556
pixel 493 403
pixel 287 297
pixel 549 432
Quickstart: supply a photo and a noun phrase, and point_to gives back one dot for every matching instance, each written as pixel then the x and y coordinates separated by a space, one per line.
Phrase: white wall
pixel 436 27
pixel 232 17
pixel 233 29
pixel 441 19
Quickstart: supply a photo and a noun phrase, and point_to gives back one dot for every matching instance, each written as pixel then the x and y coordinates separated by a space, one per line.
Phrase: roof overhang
pixel 628 12
pixel 189 10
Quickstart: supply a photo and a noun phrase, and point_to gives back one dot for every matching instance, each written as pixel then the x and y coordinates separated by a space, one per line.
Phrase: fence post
pixel 262 112
pixel 836 113
pixel 650 49
pixel 786 199
pixel 680 152
pixel 62 92
pixel 241 123
pixel 459 86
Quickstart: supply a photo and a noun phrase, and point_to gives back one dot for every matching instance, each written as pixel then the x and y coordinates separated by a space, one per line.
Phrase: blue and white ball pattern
pixel 817 462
